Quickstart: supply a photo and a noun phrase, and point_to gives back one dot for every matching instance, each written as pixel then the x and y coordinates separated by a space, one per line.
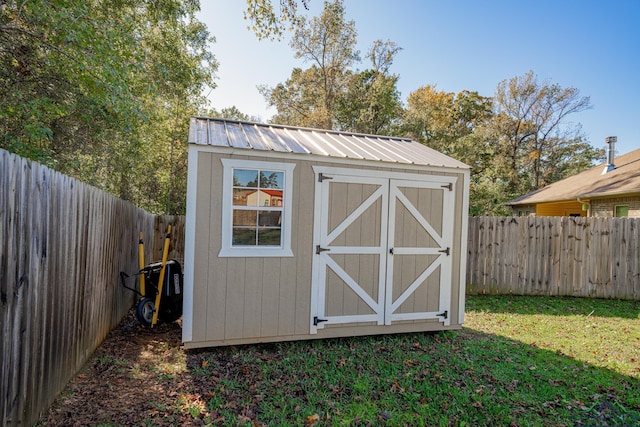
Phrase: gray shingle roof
pixel 288 139
pixel 624 179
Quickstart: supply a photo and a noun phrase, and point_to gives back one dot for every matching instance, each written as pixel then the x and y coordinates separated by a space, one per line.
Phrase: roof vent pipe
pixel 611 149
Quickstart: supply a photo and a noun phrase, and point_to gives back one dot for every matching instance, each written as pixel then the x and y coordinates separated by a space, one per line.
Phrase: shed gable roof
pixel 289 139
pixel 624 179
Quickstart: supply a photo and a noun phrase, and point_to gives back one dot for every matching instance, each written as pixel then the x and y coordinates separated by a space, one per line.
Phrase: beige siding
pixel 204 225
pixel 248 300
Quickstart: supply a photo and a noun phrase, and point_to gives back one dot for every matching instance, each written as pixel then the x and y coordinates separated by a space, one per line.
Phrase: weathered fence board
pixel 587 257
pixel 62 246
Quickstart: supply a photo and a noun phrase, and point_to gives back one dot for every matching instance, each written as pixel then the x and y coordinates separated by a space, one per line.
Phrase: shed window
pixel 256 208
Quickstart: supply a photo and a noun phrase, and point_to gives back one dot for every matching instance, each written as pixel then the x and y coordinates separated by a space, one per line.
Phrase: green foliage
pixel 330 94
pixel 101 89
pixel 516 142
pixel 308 97
pixel 371 102
pixel 231 113
pixel 531 131
pixel 266 23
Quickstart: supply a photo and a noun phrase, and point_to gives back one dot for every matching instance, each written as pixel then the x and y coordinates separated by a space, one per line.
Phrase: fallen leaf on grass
pixel 312 420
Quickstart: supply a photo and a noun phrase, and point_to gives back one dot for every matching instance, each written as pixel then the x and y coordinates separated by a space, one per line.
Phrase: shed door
pixel 382 248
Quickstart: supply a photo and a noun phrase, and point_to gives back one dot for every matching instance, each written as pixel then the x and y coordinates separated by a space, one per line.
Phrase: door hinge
pixel 446 251
pixel 444 314
pixel 322 177
pixel 319 249
pixel 316 320
pixel 391 251
pixel 449 186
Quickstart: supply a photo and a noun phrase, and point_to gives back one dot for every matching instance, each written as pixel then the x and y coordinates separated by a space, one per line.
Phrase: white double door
pixel 382 247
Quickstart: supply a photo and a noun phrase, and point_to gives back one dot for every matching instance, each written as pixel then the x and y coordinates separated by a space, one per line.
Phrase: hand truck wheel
pixel 144 311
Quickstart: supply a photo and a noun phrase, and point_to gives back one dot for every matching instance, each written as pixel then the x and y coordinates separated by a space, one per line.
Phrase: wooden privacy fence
pixel 62 246
pixel 566 256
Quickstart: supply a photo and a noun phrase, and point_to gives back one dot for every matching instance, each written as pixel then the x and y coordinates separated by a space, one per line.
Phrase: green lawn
pixel 519 361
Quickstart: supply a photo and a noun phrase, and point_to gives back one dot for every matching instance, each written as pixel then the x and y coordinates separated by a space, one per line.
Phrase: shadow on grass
pixel 142 377
pixel 454 378
pixel 555 306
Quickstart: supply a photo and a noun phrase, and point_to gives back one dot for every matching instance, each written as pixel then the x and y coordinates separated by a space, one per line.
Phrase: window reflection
pixel 258 200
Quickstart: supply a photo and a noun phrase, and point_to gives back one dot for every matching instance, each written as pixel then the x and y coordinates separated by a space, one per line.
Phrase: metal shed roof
pixel 288 139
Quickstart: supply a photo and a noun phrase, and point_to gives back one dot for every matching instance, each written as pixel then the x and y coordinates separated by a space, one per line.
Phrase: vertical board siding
pixel 62 246
pixel 564 256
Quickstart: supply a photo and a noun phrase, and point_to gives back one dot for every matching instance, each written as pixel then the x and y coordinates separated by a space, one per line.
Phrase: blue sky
pixel 458 45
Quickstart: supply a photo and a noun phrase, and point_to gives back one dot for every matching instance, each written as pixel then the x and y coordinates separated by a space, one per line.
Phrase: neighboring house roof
pixel 624 179
pixel 272 193
pixel 288 139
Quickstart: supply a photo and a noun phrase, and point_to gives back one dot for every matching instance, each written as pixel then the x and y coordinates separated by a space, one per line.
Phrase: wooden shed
pixel 295 233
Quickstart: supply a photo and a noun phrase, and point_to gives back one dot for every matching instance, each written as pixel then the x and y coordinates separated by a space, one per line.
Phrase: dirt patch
pixel 136 377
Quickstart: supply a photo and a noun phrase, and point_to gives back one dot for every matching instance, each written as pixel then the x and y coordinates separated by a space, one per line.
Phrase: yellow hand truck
pixel 161 285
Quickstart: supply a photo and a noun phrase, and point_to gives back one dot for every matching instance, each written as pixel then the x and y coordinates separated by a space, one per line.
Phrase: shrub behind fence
pixel 584 257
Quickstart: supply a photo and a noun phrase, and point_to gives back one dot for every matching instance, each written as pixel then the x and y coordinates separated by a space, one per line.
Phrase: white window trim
pixel 615 211
pixel 227 249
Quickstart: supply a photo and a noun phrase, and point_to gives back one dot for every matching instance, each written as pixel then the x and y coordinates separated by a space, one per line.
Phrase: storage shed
pixel 295 233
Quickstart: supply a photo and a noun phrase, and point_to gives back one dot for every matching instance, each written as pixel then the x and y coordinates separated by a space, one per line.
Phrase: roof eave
pixel 582 197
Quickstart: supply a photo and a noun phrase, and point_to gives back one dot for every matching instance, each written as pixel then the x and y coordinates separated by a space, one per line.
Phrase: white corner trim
pixel 189 245
pixel 464 236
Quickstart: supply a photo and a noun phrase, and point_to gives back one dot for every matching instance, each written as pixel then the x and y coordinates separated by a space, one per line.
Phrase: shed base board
pixel 335 332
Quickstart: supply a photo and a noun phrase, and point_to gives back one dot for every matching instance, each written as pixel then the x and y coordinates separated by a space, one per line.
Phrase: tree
pixel 309 96
pixel 266 22
pixel 232 113
pixel 533 134
pixel 101 90
pixel 448 122
pixel 296 100
pixel 428 116
pixel 371 101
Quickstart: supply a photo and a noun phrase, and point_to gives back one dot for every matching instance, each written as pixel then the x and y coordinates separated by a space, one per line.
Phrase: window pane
pixel 622 211
pixel 264 198
pixel 244 237
pixel 254 197
pixel 269 237
pixel 241 196
pixel 269 218
pixel 245 178
pixel 271 179
pixel 244 218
